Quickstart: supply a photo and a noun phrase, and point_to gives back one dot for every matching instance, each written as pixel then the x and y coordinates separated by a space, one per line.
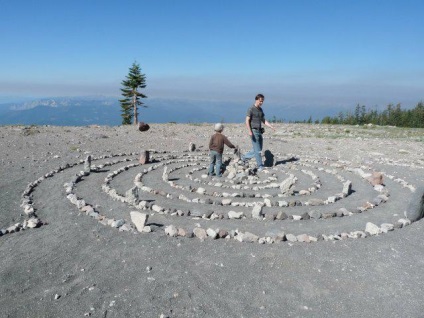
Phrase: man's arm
pixel 269 125
pixel 249 129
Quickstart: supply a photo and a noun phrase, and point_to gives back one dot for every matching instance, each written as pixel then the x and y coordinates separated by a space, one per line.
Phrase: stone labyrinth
pixel 296 199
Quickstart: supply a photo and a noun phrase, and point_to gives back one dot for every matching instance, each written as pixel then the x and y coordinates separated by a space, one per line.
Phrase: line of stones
pixel 387 161
pixel 31 219
pixel 251 180
pixel 171 230
pixel 359 171
pixel 89 210
pixel 131 197
pixel 290 182
pixel 345 192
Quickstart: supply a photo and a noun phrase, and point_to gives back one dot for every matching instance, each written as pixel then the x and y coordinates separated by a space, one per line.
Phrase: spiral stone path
pixel 351 192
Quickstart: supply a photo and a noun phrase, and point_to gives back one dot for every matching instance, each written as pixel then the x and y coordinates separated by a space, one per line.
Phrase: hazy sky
pixel 319 53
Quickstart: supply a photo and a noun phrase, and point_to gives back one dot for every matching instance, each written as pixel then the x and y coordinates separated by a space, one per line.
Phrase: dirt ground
pixel 76 266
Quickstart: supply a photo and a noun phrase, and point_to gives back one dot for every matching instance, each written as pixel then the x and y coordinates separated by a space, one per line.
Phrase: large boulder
pixel 143 126
pixel 415 210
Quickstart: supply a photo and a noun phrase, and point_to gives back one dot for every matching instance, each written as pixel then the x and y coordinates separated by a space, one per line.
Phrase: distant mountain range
pixel 81 111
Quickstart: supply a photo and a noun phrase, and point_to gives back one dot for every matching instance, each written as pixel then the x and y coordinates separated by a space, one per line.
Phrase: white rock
pixel 372 229
pixel 171 230
pixel 257 212
pixel 386 227
pixel 212 233
pixel 235 215
pixel 139 219
pixel 157 208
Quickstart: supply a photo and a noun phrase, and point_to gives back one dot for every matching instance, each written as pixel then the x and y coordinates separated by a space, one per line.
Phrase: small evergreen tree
pixel 134 80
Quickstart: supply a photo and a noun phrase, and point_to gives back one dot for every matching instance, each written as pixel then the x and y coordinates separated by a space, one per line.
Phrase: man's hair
pixel 259 96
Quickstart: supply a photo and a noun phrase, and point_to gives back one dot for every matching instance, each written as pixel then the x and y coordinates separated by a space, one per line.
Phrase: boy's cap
pixel 219 127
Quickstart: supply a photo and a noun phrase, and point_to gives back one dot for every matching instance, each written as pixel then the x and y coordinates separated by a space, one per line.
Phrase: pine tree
pixel 134 80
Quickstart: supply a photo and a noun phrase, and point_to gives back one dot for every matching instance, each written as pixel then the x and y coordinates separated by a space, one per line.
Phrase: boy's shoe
pixel 261 168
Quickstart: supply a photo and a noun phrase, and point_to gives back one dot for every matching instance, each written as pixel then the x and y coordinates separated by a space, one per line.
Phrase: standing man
pixel 254 119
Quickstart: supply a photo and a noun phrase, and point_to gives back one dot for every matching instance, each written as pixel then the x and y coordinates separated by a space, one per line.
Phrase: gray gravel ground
pixel 74 266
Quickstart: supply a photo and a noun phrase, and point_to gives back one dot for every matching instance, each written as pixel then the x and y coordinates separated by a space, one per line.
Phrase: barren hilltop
pixel 86 230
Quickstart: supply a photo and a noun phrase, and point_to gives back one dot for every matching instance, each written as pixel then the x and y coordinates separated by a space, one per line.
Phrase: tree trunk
pixel 135 110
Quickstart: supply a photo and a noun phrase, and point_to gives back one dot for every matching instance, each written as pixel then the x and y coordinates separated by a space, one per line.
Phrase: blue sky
pixel 298 52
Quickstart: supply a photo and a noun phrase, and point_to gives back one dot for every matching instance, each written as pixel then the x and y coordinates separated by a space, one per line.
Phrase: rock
pixel 147 229
pixel 144 157
pixel 235 215
pixel 313 214
pixel 415 209
pixel 270 216
pixel 281 215
pixel 332 199
pixel 267 202
pixel 249 237
pixel 281 236
pixel 196 213
pixel 143 126
pixel 157 208
pixel 201 190
pixel 87 165
pixel 87 209
pixel 386 227
pixel 397 225
pixel 139 219
pixel 283 203
pixel 33 223
pixel 377 201
pixel 315 202
pixel 376 178
pixel 222 233
pixel 211 233
pixel 379 188
pixel 165 174
pixel 328 215
pixel 191 147
pixel 347 188
pixel 372 229
pixel 345 212
pixel 303 238
pixel 125 228
pixel 200 233
pixel 257 212
pixel 305 216
pixel 404 222
pixel 226 201
pixel 171 230
pixel 132 195
pixel 291 238
pixel 117 223
pixel 287 184
pixel 182 232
